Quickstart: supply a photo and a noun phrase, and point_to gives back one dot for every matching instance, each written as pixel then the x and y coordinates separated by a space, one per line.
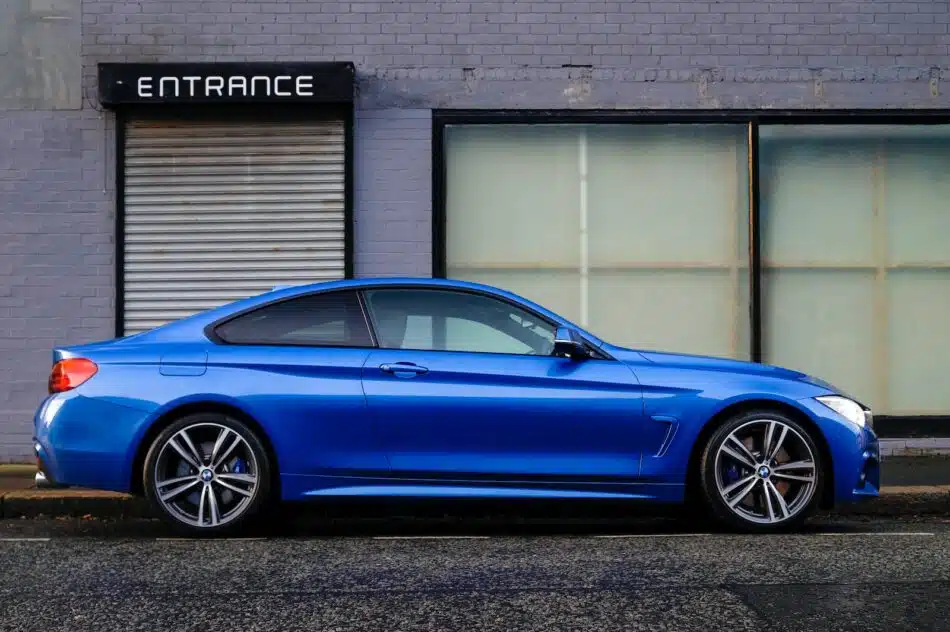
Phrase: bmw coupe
pixel 437 388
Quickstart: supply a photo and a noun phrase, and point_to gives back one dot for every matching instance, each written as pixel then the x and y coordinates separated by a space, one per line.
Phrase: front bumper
pixel 855 453
pixel 868 484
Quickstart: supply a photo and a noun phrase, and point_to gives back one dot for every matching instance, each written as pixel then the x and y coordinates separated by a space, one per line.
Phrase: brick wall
pixel 56 253
pixel 56 194
pixel 393 205
pixel 512 54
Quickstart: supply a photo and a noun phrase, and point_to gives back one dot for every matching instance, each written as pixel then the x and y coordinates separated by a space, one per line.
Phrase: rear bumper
pixel 85 442
pixel 43 482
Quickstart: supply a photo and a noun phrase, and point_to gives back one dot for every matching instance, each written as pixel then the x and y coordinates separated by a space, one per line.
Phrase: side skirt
pixel 297 487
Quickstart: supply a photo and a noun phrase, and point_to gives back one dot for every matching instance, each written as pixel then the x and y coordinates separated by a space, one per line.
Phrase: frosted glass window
pixel 857 261
pixel 916 193
pixel 647 184
pixel 512 196
pixel 638 232
pixel 815 202
pixel 555 289
pixel 817 321
pixel 919 341
pixel 683 310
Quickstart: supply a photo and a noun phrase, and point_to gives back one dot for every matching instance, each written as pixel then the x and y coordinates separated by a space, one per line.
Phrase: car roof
pixel 286 291
pixel 376 282
pixel 194 325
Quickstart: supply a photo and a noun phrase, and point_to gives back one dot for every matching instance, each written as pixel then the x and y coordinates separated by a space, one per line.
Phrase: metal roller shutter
pixel 220 211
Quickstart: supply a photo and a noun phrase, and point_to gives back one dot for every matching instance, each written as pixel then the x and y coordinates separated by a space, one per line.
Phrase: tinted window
pixel 333 319
pixel 455 321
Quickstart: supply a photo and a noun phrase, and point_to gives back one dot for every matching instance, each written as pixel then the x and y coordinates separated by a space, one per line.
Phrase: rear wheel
pixel 207 474
pixel 760 472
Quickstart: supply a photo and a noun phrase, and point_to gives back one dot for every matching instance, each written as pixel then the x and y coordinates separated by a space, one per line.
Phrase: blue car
pixel 441 389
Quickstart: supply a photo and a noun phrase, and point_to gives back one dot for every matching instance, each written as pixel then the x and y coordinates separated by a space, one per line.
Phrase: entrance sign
pixel 320 82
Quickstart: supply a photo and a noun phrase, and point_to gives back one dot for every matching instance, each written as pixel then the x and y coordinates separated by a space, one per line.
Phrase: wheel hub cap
pixel 766 471
pixel 205 475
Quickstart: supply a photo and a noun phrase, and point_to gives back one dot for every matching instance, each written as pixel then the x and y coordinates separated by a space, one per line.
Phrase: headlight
pixel 847 408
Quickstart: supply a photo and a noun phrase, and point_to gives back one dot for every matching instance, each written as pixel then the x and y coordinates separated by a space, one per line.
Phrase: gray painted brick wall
pixel 57 198
pixel 393 192
pixel 56 253
pixel 512 54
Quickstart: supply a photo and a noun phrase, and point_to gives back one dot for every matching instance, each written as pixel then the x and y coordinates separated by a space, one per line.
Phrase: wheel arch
pixel 827 492
pixel 170 416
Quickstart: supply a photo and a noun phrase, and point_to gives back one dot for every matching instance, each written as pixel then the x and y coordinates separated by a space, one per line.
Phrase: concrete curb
pixel 922 446
pixel 17 469
pixel 902 501
pixel 33 503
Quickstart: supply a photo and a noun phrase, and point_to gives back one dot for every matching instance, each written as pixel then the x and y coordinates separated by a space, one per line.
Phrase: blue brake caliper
pixel 732 474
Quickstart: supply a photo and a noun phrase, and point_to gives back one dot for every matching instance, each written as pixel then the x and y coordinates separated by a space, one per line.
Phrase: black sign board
pixel 256 82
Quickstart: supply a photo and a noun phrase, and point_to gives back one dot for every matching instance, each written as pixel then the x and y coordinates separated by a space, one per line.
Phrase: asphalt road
pixel 652 574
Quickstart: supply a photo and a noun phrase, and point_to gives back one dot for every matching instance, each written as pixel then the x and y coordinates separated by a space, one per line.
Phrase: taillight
pixel 69 373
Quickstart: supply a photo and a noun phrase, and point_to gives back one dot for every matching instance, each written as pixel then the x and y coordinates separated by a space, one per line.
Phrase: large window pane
pixel 917 200
pixel 857 262
pixel 684 310
pixel 919 343
pixel 636 231
pixel 813 324
pixel 668 194
pixel 556 289
pixel 816 202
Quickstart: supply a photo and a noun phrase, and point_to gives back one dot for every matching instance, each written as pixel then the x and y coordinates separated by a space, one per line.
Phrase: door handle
pixel 403 369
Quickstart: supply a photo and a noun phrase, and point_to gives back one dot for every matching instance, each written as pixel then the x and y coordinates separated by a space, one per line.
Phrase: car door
pixel 464 385
pixel 295 365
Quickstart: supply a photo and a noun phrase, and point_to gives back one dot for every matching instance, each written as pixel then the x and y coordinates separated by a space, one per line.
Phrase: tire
pixel 218 497
pixel 777 493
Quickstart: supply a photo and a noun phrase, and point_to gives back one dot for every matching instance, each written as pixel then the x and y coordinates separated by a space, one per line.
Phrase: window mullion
pixel 880 324
pixel 584 240
pixel 734 256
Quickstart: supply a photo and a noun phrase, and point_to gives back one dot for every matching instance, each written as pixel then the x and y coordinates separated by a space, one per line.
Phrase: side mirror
pixel 569 344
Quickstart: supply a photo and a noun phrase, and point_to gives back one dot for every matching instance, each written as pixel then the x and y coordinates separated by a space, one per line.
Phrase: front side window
pixel 443 320
pixel 326 319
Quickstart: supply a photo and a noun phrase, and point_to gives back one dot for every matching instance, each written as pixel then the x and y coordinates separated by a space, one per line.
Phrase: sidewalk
pixel 20 499
pixel 915 446
pixel 912 486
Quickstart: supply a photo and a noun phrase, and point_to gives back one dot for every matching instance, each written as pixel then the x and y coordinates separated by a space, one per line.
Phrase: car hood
pixel 711 363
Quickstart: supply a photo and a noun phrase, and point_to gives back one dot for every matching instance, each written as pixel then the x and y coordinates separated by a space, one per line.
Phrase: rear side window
pixel 328 319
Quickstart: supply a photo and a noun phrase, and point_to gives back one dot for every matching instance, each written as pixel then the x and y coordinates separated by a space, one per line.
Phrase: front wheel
pixel 207 474
pixel 761 472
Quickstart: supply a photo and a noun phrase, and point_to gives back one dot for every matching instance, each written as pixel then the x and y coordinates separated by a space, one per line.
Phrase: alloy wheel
pixel 206 475
pixel 765 471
